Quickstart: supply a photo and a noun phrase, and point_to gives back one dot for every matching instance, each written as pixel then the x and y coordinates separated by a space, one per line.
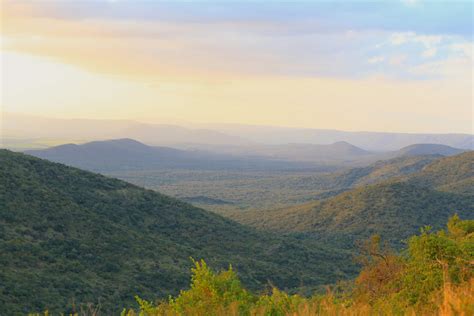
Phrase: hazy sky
pixel 353 65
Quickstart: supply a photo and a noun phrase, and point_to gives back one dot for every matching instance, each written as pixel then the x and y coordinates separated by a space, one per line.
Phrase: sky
pixel 400 66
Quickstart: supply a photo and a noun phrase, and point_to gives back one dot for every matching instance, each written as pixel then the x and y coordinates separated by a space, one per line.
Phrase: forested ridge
pixel 433 275
pixel 396 208
pixel 67 234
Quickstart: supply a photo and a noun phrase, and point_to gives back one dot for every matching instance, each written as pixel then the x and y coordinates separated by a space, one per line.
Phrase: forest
pixel 236 158
pixel 433 275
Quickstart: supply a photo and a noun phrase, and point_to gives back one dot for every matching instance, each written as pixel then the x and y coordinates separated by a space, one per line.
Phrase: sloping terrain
pixel 244 190
pixel 67 234
pixel 453 174
pixel 395 208
pixel 19 127
pixel 340 154
pixel 381 170
pixel 336 152
pixel 129 154
pixel 428 149
pixel 375 141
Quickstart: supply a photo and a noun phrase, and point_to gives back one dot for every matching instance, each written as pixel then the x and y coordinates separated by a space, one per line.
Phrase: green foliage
pixel 221 293
pixel 68 236
pixel 437 257
pixel 415 282
pixel 229 192
pixel 432 261
pixel 450 174
pixel 396 209
pixel 279 303
pixel 209 291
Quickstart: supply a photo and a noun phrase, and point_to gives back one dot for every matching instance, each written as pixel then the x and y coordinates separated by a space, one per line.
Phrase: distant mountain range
pixel 24 131
pixel 39 130
pixel 339 153
pixel 372 141
pixel 395 208
pixel 69 235
pixel 427 149
pixel 380 171
pixel 128 154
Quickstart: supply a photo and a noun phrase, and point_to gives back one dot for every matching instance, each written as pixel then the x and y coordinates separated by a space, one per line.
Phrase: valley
pixel 294 225
pixel 253 181
pixel 108 238
pixel 236 158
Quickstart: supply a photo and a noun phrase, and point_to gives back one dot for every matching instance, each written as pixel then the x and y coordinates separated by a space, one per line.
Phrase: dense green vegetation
pixel 432 276
pixel 451 174
pixel 396 208
pixel 241 178
pixel 232 191
pixel 67 234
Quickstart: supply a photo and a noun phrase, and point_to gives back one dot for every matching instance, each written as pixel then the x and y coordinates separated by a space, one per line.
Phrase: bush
pixel 432 276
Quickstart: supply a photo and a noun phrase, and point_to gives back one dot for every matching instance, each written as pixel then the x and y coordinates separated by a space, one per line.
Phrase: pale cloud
pixel 430 52
pixel 410 2
pixel 401 38
pixel 452 68
pixel 465 49
pixel 450 56
pixel 203 49
pixel 376 60
pixel 427 41
pixel 375 103
pixel 397 60
pixel 190 50
pixel 282 72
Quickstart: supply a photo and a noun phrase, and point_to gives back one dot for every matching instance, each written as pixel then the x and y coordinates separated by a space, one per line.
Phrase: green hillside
pixel 396 208
pixel 380 171
pixel 227 191
pixel 416 281
pixel 69 234
pixel 453 174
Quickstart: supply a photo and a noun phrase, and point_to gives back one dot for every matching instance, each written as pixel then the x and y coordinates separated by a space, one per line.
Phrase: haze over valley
pixel 236 158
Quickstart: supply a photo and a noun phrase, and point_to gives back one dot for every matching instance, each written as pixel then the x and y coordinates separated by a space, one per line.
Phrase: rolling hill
pixel 451 174
pixel 26 131
pixel 396 208
pixel 380 171
pixel 332 153
pixel 372 141
pixel 428 149
pixel 228 182
pixel 340 154
pixel 129 154
pixel 68 234
pixel 37 129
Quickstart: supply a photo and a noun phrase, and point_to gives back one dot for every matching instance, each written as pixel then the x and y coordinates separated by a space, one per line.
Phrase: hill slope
pixel 452 174
pixel 428 149
pixel 381 170
pixel 336 152
pixel 69 234
pixel 395 208
pixel 341 154
pixel 37 128
pixel 129 154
